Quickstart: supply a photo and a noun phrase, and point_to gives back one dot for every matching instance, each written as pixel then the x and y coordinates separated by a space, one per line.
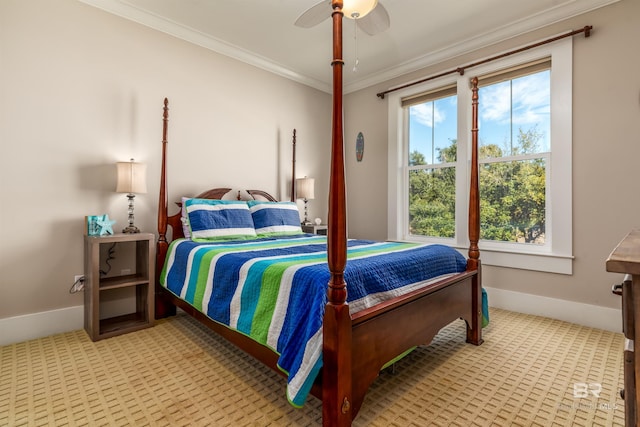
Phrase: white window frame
pixel 556 254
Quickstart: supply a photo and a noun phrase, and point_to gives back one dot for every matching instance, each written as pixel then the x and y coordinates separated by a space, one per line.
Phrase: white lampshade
pixel 132 177
pixel 358 8
pixel 304 188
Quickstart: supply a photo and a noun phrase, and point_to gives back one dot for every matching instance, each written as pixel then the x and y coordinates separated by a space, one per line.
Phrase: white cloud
pixel 495 103
pixel 531 96
pixel 425 114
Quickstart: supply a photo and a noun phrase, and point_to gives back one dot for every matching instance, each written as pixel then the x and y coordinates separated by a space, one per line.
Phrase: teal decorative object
pixel 105 225
pixel 99 225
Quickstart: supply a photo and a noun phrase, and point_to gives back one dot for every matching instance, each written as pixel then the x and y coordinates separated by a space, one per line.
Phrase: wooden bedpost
pixel 474 190
pixel 336 380
pixel 163 309
pixel 293 168
pixel 163 199
pixel 474 331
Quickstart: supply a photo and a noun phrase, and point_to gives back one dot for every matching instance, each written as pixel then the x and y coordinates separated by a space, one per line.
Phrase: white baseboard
pixel 594 316
pixel 38 325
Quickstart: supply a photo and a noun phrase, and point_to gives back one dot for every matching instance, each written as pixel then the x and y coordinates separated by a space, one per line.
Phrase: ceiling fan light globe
pixel 358 8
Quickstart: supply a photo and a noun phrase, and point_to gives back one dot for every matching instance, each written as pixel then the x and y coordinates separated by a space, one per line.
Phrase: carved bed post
pixel 336 381
pixel 474 192
pixel 162 309
pixel 163 199
pixel 293 168
pixel 474 331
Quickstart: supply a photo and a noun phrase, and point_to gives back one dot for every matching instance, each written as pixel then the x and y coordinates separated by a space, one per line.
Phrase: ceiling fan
pixel 370 15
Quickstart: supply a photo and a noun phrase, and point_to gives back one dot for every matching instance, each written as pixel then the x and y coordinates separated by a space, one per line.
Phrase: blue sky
pixel 505 107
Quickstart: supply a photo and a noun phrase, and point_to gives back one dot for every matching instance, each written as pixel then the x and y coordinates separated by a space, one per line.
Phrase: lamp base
pixel 306 220
pixel 131 229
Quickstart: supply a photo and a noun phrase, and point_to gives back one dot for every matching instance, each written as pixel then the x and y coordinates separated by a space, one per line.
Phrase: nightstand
pixel 140 246
pixel 315 229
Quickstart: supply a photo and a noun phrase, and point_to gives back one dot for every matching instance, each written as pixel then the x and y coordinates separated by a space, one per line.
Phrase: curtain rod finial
pixel 587 30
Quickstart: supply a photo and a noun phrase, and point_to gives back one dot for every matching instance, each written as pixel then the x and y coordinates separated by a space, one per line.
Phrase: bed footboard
pixel 420 320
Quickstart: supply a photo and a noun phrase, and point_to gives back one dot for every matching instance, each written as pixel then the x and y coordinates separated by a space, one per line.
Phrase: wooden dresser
pixel 625 259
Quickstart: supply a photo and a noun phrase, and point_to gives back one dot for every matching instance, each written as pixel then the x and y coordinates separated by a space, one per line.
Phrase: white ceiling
pixel 422 32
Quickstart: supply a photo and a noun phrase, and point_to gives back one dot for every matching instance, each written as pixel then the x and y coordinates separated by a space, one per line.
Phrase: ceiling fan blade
pixel 314 15
pixel 375 21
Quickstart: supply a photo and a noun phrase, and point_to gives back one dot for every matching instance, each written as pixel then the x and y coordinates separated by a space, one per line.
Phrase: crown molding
pixel 201 39
pixel 500 34
pixel 513 29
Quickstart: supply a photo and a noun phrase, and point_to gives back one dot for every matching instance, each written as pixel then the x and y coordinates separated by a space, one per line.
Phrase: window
pixel 432 163
pixel 514 150
pixel 525 160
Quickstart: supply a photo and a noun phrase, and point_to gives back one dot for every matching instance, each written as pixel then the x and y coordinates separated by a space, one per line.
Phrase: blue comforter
pixel 274 289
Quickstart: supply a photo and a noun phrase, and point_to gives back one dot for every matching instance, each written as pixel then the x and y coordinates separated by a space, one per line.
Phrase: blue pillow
pixel 219 220
pixel 275 218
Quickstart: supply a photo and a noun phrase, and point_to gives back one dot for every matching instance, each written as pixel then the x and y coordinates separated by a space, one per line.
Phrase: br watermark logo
pixel 586 396
pixel 582 390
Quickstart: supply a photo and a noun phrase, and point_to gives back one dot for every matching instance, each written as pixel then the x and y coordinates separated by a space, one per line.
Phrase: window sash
pixel 546 156
pixel 432 166
pixel 505 159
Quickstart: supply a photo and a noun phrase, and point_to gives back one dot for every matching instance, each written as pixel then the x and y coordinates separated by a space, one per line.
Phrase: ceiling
pixel 422 32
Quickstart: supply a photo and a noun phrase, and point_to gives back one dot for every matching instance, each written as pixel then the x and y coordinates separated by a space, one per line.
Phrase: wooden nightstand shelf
pixel 315 229
pixel 96 287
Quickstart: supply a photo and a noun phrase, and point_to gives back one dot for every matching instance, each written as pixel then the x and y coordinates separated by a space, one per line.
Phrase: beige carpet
pixel 530 371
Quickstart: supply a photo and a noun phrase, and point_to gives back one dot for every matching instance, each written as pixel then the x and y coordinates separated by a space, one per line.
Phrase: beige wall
pixel 81 89
pixel 606 151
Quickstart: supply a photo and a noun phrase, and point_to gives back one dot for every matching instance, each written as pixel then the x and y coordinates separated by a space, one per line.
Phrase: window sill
pixel 549 263
pixel 540 261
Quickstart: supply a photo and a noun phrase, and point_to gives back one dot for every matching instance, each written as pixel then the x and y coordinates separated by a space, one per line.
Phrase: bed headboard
pixel 175 221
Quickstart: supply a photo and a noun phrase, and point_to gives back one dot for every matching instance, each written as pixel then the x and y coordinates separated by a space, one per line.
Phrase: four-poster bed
pixel 354 345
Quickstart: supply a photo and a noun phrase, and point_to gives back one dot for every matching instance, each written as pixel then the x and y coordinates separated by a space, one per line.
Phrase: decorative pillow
pixel 219 220
pixel 275 218
pixel 185 219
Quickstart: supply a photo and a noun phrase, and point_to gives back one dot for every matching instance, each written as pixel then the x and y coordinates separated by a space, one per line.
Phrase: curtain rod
pixel 586 30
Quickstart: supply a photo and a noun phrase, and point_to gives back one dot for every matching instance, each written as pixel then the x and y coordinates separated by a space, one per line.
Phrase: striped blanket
pixel 274 289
